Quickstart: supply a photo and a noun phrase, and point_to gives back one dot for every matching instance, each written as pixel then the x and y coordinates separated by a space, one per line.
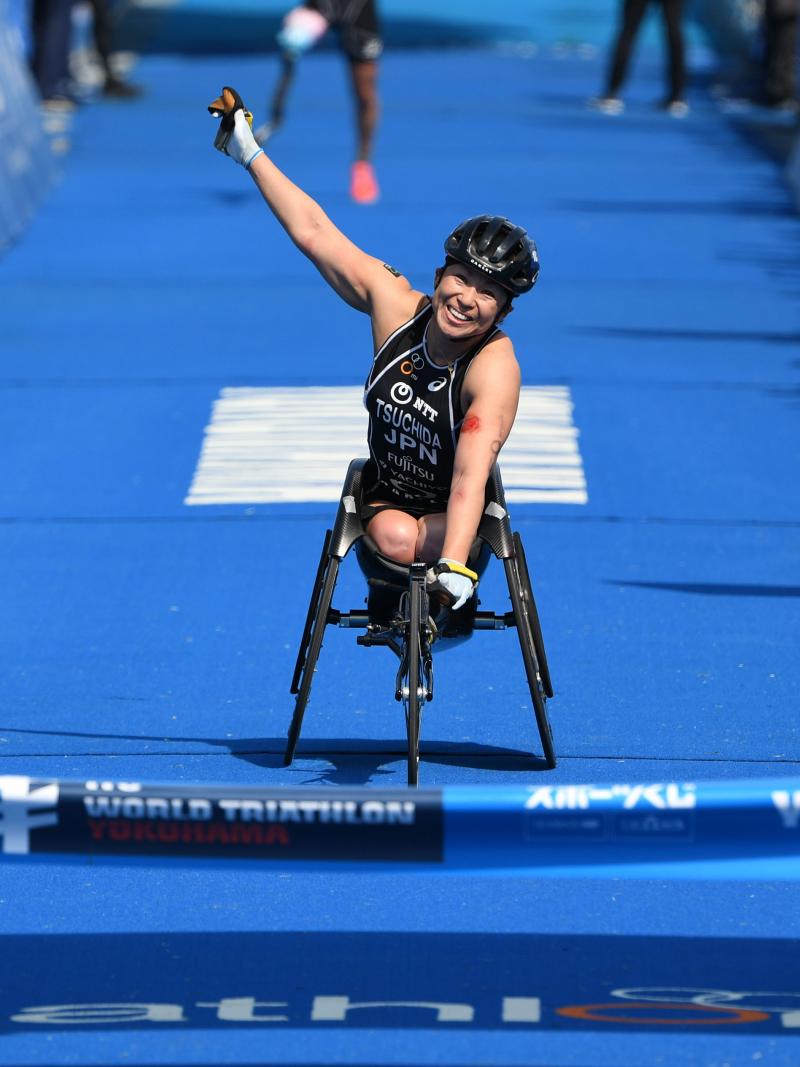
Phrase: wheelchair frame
pixel 411 632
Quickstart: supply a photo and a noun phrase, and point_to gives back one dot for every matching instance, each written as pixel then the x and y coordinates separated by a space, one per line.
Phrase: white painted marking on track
pixel 292 445
pixel 522 1010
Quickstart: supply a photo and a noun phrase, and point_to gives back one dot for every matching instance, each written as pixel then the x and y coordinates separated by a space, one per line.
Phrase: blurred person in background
pixel 51 36
pixel 631 14
pixel 55 55
pixel 359 35
pixel 780 54
pixel 112 84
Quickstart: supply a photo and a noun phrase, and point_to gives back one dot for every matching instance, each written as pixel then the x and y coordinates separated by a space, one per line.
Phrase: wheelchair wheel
pixel 524 629
pixel 533 615
pixel 311 644
pixel 312 606
pixel 415 667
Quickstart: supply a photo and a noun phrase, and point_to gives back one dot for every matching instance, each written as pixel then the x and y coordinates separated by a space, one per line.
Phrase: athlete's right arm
pixel 358 278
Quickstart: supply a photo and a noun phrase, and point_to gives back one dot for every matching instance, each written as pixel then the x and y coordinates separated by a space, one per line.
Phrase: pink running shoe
pixel 363 183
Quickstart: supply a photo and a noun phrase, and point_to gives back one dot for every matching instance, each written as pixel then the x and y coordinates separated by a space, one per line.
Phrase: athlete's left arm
pixel 491 391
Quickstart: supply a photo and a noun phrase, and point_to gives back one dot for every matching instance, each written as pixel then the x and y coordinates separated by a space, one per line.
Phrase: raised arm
pixel 351 272
pixel 360 279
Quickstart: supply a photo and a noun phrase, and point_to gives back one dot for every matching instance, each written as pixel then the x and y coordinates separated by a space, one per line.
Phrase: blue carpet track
pixel 147 639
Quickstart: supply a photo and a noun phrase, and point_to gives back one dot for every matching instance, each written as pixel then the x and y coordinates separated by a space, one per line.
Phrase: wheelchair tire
pixel 307 663
pixel 533 615
pixel 532 672
pixel 312 605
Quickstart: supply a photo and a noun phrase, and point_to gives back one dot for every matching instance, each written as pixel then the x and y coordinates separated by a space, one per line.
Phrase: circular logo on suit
pixel 401 392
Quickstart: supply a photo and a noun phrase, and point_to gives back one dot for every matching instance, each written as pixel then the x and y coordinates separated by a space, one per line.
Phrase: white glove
pixel 454 580
pixel 235 134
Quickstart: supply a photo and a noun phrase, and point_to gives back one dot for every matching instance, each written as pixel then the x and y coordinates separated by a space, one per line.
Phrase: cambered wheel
pixel 312 608
pixel 526 592
pixel 310 648
pixel 524 629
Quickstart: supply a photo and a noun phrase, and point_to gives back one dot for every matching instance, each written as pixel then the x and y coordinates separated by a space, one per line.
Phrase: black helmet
pixel 495 245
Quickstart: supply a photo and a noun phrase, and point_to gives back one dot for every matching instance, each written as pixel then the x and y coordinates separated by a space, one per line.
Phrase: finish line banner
pixel 460 828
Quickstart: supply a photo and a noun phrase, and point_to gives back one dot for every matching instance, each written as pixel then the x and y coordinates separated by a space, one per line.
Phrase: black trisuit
pixel 357 23
pixel 415 416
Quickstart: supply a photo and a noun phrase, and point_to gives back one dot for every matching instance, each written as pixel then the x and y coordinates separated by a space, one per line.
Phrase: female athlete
pixel 444 385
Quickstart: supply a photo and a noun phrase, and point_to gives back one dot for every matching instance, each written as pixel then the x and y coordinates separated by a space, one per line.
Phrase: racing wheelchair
pixel 401 615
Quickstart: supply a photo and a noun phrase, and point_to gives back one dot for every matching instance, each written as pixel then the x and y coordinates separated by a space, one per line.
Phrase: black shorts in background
pixel 357 24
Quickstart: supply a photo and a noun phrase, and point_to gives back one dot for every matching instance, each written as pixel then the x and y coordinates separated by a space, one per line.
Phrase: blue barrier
pixel 26 163
pixel 458 828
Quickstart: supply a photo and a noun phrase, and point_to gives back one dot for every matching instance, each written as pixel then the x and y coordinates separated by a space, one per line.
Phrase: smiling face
pixel 466 303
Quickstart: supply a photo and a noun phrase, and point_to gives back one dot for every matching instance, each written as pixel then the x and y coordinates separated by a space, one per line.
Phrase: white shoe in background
pixel 608 105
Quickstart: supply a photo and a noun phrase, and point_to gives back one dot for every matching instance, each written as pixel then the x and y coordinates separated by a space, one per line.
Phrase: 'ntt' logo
pixel 401 393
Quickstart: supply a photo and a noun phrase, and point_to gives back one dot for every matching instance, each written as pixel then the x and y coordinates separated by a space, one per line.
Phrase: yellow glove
pixel 453 581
